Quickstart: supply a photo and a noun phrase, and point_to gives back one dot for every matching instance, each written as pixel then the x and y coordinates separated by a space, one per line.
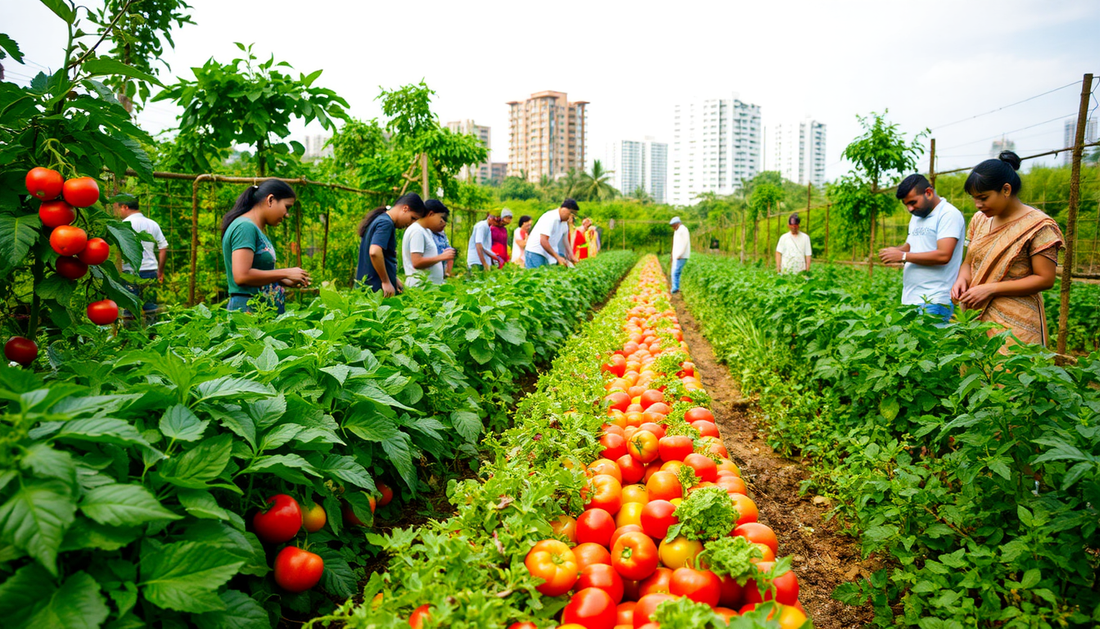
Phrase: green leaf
pixel 347 469
pixel 202 504
pixel 22 590
pixel 115 287
pixel 124 505
pixel 400 454
pixel 285 466
pixel 185 576
pixel 46 461
pixel 8 45
pixel 1031 579
pixel 237 388
pixel 241 612
pixel 371 391
pixel 201 464
pixel 279 435
pixel 889 408
pixel 83 533
pixel 338 577
pixel 128 242
pixel 180 423
pixel 467 425
pixel 57 288
pixel 77 604
pixel 34 519
pixel 61 9
pixel 267 361
pixel 481 352
pixel 373 427
pixel 102 430
pixel 103 66
pixel 1075 473
pixel 17 235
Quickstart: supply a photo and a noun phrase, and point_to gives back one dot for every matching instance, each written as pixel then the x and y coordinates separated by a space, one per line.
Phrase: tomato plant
pixel 297 570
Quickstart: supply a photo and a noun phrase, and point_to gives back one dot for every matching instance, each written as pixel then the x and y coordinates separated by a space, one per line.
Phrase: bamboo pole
pixel 827 232
pixel 194 236
pixel 809 200
pixel 932 162
pixel 1071 220
pixel 1095 232
pixel 424 175
pixel 324 242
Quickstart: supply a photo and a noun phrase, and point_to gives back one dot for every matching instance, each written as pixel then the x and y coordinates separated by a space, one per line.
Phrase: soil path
pixel 822 558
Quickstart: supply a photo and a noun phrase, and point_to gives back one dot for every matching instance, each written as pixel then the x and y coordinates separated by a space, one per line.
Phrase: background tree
pixel 640 195
pixel 595 185
pixel 518 188
pixel 765 194
pixel 228 104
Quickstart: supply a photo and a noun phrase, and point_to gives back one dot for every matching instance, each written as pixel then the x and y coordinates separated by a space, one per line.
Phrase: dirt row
pixel 822 558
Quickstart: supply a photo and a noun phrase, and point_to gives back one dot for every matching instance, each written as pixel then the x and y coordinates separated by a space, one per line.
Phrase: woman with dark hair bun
pixel 248 253
pixel 1012 254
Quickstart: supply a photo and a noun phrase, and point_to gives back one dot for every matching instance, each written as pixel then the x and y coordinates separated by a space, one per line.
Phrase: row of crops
pixel 610 503
pixel 136 468
pixel 975 475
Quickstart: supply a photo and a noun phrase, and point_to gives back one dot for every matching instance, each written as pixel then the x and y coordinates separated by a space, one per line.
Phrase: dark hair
pixel 130 203
pixel 253 195
pixel 794 219
pixel 910 183
pixel 993 174
pixel 411 199
pixel 524 219
pixel 570 204
pixel 435 206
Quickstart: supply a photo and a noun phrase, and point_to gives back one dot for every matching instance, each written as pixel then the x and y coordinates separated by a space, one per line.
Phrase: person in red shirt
pixel 499 233
pixel 580 240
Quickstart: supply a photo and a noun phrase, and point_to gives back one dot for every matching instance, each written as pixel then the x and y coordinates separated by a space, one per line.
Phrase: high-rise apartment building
pixel 999 146
pixel 315 146
pixel 797 150
pixel 1092 130
pixel 498 173
pixel 639 164
pixel 547 136
pixel 479 173
pixel 716 147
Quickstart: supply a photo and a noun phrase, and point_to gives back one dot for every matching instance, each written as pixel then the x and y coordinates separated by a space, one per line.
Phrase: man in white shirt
pixel 933 252
pixel 549 234
pixel 793 251
pixel 152 265
pixel 420 254
pixel 681 251
pixel 479 251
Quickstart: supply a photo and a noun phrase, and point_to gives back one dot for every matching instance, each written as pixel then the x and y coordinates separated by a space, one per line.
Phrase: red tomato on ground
pixel 643 611
pixel 654 428
pixel 758 534
pixel 643 446
pixel 698 413
pixel 590 554
pixel 96 251
pixel 604 577
pixel 634 556
pixel 604 492
pixel 675 447
pixel 706 429
pixel 595 526
pixel 419 615
pixel 553 562
pixel 68 240
pixel 701 586
pixel 630 469
pixel 625 613
pixel 618 400
pixel 591 608
pixel 605 466
pixel 21 350
pixel 279 522
pixel 626 528
pixel 657 518
pixel 56 213
pixel 746 507
pixel 297 570
pixel 614 446
pixel 705 468
pixel 664 486
pixel 731 593
pixel 656 583
pixel 44 183
pixel 80 192
pixel 651 397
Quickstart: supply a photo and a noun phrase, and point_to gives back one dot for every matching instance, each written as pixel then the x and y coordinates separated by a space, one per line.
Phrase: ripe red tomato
pixel 297 570
pixel 657 518
pixel 56 213
pixel 281 521
pixel 758 534
pixel 21 350
pixel 68 240
pixel 634 556
pixel 71 268
pixel 105 312
pixel 625 613
pixel 654 428
pixel 626 528
pixel 314 518
pixel 596 526
pixel 675 447
pixel 44 183
pixel 698 413
pixel 553 562
pixel 660 407
pixel 651 397
pixel 664 486
pixel 701 586
pixel 731 593
pixel 705 467
pixel 523 625
pixel 656 583
pixel 618 400
pixel 643 446
pixel 602 576
pixel 643 611
pixel 784 588
pixel 617 366
pixel 604 492
pixel 591 608
pixel 96 251
pixel 605 466
pixel 630 469
pixel 80 192
pixel 732 484
pixel 706 429
pixel 419 615
pixel 387 494
pixel 614 446
pixel 591 553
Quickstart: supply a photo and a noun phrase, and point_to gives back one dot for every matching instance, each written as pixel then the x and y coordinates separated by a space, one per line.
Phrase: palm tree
pixel 595 185
pixel 641 195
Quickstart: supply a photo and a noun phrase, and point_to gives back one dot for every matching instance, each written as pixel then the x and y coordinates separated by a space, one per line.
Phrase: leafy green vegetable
pixel 708 513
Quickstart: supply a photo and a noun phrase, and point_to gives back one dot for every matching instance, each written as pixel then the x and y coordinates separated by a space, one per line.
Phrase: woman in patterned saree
pixel 1012 253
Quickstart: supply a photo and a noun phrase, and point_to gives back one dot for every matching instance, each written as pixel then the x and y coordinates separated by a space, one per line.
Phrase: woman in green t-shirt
pixel 249 255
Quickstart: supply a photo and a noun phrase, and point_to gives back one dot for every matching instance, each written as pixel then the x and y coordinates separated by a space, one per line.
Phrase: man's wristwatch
pixel 903 254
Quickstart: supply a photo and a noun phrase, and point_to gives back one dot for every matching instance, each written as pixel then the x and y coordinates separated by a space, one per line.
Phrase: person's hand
pixel 400 286
pixel 160 277
pixel 975 296
pixel 890 255
pixel 297 277
pixel 569 264
pixel 388 290
pixel 448 254
pixel 960 287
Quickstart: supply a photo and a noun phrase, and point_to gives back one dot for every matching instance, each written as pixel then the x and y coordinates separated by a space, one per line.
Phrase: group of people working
pixel 1011 251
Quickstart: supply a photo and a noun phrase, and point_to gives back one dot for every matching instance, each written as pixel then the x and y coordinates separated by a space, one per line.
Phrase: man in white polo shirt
pixel 681 251
pixel 152 264
pixel 549 232
pixel 933 251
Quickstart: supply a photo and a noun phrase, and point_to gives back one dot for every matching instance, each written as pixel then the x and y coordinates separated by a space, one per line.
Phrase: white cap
pixel 675 220
pixel 505 213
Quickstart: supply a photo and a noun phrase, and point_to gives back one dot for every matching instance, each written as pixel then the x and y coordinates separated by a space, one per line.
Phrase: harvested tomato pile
pixel 667 515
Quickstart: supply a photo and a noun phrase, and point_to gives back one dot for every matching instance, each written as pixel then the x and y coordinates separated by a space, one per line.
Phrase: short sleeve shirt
pixel 243 234
pixel 550 225
pixel 481 234
pixel 920 282
pixel 381 232
pixel 417 239
pixel 141 223
pixel 793 251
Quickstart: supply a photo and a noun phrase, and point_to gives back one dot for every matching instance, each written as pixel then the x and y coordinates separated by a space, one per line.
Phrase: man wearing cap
pixel 551 231
pixel 479 251
pixel 681 250
pixel 793 251
pixel 499 233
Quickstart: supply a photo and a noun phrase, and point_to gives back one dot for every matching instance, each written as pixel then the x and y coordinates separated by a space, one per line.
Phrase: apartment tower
pixel 547 136
pixel 477 173
pixel 716 147
pixel 797 150
pixel 639 164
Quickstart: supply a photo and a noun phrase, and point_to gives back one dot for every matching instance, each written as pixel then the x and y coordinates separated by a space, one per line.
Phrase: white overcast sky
pixel 931 62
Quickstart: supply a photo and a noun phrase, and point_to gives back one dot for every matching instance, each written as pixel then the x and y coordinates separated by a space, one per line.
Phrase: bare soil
pixel 822 557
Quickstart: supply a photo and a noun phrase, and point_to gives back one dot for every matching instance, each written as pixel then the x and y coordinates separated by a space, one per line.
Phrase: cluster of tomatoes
pixel 621 566
pixel 297 569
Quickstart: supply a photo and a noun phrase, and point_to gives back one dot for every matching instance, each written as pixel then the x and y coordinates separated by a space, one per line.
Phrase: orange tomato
pixel 604 492
pixel 665 486
pixel 605 466
pixel 745 506
pixel 565 526
pixel 635 493
pixel 643 446
pixel 631 513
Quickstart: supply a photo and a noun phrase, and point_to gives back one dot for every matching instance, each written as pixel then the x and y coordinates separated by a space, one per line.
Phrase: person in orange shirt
pixel 580 240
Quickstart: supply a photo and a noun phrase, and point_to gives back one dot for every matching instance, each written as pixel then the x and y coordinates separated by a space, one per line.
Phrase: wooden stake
pixel 424 175
pixel 1071 219
pixel 932 162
